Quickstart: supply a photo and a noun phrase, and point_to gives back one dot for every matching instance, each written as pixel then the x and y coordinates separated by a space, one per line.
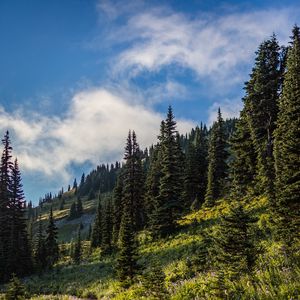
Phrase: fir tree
pixel 5 193
pixel 217 167
pixel 168 204
pixel 15 290
pixel 51 241
pixel 79 208
pixel 40 255
pixel 77 248
pixel 126 259
pixel 261 107
pixel 243 164
pixel 96 237
pixel 106 241
pixel 235 251
pixel 73 211
pixel 20 262
pixel 287 154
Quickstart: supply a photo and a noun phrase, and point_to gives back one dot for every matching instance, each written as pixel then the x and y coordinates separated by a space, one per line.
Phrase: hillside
pixel 179 257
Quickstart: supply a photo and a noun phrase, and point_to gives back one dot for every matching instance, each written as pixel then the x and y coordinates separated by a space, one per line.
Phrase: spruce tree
pixel 133 182
pixel 77 248
pixel 20 262
pixel 168 204
pixel 15 290
pixel 126 258
pixel 40 255
pixel 96 237
pixel 106 242
pixel 235 250
pixel 5 193
pixel 287 154
pixel 243 163
pixel 73 212
pixel 217 166
pixel 117 208
pixel 51 244
pixel 79 207
pixel 261 106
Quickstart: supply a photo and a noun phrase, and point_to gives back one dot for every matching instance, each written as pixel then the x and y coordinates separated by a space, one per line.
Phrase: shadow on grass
pixel 71 280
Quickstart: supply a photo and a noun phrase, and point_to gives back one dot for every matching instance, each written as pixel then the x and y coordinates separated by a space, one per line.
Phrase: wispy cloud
pixel 214 47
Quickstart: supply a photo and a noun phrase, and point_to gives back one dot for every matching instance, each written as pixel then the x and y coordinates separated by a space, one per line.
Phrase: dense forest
pixel 213 214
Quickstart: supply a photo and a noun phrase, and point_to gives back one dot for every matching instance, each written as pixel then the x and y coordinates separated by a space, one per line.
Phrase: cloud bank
pixel 94 130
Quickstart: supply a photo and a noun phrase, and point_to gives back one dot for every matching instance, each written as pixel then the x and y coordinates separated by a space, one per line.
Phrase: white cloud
pixel 94 130
pixel 214 47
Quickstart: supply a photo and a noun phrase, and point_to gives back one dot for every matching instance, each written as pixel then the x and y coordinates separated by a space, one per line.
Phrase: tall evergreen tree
pixel 40 255
pixel 19 261
pixel 287 153
pixel 168 204
pixel 77 249
pixel 5 193
pixel 73 212
pixel 235 251
pixel 217 166
pixel 106 242
pixel 133 181
pixel 96 237
pixel 243 163
pixel 79 207
pixel 51 244
pixel 126 259
pixel 261 105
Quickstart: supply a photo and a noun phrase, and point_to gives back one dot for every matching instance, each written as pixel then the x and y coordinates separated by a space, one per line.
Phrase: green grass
pixel 273 278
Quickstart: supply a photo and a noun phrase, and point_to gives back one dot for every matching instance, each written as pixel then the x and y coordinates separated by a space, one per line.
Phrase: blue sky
pixel 76 75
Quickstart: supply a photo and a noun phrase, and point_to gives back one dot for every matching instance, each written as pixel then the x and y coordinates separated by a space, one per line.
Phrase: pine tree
pixel 117 208
pixel 217 167
pixel 168 204
pixel 261 100
pixel 5 193
pixel 73 211
pixel 126 259
pixel 235 251
pixel 133 182
pixel 15 290
pixel 243 164
pixel 20 262
pixel 287 154
pixel 106 241
pixel 79 208
pixel 77 248
pixel 96 237
pixel 40 255
pixel 52 249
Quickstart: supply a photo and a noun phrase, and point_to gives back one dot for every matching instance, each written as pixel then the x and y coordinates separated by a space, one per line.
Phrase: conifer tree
pixel 261 105
pixel 96 237
pixel 106 242
pixel 133 182
pixel 15 290
pixel 235 251
pixel 40 255
pixel 168 204
pixel 287 154
pixel 73 211
pixel 243 164
pixel 126 259
pixel 5 193
pixel 217 166
pixel 79 208
pixel 20 258
pixel 77 248
pixel 117 208
pixel 51 244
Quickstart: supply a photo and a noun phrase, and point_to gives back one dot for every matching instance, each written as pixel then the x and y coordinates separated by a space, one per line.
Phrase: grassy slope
pixel 178 256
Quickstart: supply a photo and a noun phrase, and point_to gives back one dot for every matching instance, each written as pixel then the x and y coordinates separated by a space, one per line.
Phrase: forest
pixel 211 214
